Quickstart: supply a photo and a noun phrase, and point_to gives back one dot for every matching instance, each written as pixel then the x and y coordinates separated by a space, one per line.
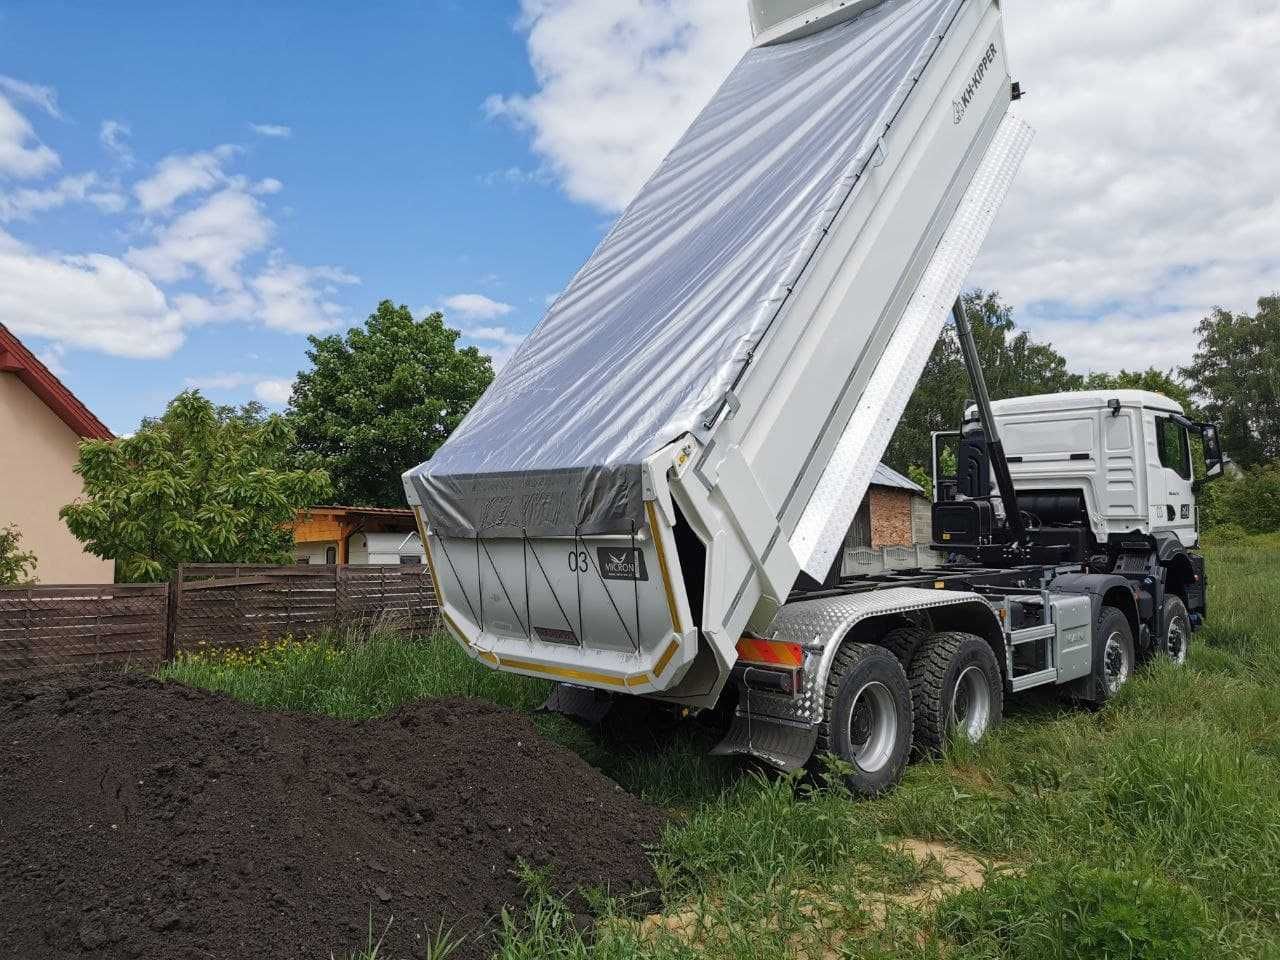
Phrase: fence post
pixel 341 587
pixel 171 614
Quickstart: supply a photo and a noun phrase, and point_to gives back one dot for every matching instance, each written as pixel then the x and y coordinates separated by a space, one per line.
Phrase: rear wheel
pixel 867 721
pixel 905 642
pixel 956 688
pixel 1177 631
pixel 1113 656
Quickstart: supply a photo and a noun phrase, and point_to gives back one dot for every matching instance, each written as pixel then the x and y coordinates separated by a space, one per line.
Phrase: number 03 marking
pixel 579 562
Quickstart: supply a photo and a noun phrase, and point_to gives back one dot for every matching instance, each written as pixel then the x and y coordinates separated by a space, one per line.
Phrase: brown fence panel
pixel 246 605
pixel 45 628
pixel 395 597
pixel 230 606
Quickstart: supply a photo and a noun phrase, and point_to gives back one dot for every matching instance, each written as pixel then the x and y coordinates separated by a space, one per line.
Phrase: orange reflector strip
pixel 771 652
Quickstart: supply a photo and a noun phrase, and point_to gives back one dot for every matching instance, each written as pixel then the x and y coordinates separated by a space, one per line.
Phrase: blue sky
pixel 188 189
pixel 391 171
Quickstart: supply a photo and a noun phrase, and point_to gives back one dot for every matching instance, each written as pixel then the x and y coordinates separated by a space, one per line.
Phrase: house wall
pixel 314 553
pixel 385 548
pixel 37 454
pixel 891 517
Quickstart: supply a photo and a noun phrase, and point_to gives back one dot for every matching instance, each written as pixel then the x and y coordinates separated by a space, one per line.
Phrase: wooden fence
pixel 237 606
pixel 203 606
pixel 51 627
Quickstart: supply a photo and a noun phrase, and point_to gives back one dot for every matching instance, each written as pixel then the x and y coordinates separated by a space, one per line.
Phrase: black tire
pixel 1175 643
pixel 867 718
pixel 905 642
pixel 1113 654
pixel 956 684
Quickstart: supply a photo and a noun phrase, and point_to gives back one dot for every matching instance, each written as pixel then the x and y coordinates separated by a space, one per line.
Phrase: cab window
pixel 1175 451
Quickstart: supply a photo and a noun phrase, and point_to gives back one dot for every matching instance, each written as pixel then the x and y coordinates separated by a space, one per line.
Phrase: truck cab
pixel 1091 469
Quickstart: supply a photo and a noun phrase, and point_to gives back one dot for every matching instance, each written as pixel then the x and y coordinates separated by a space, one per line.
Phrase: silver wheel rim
pixel 971 706
pixel 1116 663
pixel 873 727
pixel 1175 642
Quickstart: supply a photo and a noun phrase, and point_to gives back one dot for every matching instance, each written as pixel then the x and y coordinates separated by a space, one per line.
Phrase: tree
pixel 1014 365
pixel 1157 381
pixel 383 399
pixel 16 565
pixel 201 484
pixel 1236 376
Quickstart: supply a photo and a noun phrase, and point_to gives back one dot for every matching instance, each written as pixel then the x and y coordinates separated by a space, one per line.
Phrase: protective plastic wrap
pixel 643 345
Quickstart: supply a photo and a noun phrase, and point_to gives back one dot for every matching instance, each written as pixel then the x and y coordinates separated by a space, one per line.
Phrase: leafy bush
pixel 1249 501
pixel 16 564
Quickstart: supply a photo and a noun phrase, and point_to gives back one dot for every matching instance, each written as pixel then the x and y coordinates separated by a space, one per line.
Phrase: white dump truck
pixel 651 498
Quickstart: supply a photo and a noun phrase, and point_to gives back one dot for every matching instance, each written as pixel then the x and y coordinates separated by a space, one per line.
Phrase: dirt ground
pixel 141 819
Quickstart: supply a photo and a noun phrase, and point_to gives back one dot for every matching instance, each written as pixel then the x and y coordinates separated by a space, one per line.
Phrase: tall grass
pixel 1150 829
pixel 352 676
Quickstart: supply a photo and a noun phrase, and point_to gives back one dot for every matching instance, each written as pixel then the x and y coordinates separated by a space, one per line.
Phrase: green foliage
pixel 16 565
pixel 1013 364
pixel 382 399
pixel 1236 371
pixel 1157 381
pixel 1248 501
pixel 1060 911
pixel 201 484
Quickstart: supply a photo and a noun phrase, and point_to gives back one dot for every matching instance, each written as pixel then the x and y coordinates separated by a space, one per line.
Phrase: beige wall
pixel 37 452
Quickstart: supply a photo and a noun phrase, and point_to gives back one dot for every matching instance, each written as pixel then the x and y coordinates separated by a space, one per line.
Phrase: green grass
pixel 1148 830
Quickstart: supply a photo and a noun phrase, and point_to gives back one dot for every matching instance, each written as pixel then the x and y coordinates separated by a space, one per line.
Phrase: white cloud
pixel 220 381
pixel 213 238
pixel 271 130
pixel 295 299
pixel 274 393
pixel 618 82
pixel 94 301
pixel 46 98
pixel 476 306
pixel 114 137
pixel 267 186
pixel 181 174
pixel 22 156
pixel 25 203
pixel 1151 194
pixel 498 342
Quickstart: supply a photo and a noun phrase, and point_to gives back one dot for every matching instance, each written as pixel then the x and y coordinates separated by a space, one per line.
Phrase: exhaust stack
pixel 777 21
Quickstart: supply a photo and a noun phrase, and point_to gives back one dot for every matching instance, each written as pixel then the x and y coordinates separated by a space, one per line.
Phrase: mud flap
pixel 778 744
pixel 583 704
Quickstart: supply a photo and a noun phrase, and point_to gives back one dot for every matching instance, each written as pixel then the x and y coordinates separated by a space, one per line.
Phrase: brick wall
pixel 891 518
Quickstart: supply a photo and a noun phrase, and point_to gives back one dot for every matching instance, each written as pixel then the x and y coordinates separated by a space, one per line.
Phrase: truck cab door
pixel 1179 502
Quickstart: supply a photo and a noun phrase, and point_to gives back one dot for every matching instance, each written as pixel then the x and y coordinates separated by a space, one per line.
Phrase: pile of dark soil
pixel 141 819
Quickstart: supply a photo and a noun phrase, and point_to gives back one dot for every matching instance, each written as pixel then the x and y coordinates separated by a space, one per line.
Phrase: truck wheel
pixel 1177 631
pixel 1113 656
pixel 905 642
pixel 956 686
pixel 867 720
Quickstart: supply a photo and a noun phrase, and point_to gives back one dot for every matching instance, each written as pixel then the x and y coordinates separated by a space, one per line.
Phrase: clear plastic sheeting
pixel 651 334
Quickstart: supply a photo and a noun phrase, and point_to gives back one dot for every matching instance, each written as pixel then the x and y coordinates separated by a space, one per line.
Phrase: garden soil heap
pixel 143 819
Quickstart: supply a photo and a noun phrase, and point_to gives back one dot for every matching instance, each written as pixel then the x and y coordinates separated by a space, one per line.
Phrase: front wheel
pixel 867 721
pixel 1113 655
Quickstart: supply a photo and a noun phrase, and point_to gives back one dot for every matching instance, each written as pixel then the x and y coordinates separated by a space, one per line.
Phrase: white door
pixel 1174 448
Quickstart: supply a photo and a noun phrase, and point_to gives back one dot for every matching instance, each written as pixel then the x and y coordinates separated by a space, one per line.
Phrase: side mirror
pixel 1214 462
